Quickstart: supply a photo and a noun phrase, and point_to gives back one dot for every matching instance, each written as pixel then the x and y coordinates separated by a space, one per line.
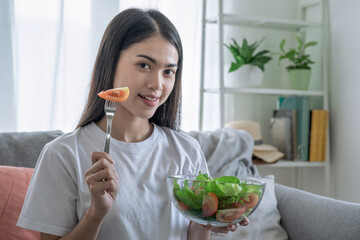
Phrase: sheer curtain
pixel 50 50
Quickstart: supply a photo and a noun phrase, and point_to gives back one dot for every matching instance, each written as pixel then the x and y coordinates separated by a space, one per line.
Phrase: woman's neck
pixel 128 131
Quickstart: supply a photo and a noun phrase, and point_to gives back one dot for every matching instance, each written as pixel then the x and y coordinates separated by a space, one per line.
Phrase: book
pixel 314 145
pixel 323 134
pixel 302 107
pixel 318 135
pixel 283 132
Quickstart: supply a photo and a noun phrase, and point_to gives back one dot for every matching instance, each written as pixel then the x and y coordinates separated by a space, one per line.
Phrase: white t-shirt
pixel 58 195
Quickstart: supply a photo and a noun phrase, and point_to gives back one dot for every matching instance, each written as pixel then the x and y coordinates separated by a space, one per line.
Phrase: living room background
pixel 47 49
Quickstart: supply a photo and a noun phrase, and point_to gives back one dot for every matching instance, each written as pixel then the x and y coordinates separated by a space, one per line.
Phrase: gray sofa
pixel 303 215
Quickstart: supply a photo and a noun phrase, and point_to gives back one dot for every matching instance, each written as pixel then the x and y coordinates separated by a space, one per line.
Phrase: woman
pixel 78 191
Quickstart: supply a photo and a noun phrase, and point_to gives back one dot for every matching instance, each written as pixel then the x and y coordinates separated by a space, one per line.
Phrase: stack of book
pixel 297 131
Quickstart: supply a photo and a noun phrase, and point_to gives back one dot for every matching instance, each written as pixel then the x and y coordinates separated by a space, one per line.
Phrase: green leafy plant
pixel 297 57
pixel 245 54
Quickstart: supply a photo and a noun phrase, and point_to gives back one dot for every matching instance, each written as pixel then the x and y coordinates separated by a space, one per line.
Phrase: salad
pixel 224 199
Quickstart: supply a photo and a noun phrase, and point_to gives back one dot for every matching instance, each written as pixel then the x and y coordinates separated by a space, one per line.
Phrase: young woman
pixel 79 192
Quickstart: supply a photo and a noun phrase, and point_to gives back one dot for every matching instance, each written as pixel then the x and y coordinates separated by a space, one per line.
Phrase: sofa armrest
pixel 309 216
pixel 22 149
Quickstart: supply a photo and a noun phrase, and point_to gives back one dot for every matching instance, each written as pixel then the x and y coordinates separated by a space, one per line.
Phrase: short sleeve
pixel 50 202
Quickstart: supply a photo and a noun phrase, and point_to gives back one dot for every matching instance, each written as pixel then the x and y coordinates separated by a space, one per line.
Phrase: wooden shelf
pixel 267 91
pixel 267 23
pixel 296 163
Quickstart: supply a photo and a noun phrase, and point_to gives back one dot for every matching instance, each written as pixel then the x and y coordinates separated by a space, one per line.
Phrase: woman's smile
pixel 149 100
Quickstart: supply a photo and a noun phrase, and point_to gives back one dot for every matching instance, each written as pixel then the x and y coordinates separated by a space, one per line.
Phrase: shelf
pixel 285 163
pixel 267 23
pixel 259 23
pixel 267 91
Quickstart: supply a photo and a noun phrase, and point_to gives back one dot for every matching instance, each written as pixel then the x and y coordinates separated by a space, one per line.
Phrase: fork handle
pixel 108 133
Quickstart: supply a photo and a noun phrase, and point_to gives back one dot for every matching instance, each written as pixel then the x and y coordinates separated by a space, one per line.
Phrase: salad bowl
pixel 214 201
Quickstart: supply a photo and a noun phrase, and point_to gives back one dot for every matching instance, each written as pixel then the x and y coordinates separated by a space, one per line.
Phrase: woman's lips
pixel 149 100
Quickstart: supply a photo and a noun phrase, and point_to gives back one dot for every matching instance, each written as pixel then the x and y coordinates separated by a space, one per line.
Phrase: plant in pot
pixel 299 69
pixel 248 67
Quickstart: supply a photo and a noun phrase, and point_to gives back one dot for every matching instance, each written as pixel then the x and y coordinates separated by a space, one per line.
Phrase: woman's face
pixel 148 68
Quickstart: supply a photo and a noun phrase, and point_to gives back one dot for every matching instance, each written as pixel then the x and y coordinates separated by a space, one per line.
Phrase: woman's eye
pixel 170 72
pixel 144 65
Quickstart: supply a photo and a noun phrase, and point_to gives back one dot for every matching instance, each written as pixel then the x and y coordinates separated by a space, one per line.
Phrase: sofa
pixel 302 215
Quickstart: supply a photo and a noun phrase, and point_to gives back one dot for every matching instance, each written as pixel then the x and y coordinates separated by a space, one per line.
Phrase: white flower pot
pixel 246 76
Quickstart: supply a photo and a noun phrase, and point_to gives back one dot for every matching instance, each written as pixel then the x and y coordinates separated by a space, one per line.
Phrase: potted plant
pixel 248 65
pixel 299 69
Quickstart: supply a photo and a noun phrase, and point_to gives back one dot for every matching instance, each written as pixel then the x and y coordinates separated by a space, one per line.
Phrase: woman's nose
pixel 155 82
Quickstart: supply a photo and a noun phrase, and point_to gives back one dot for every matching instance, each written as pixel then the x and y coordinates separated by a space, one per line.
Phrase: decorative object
pixel 247 68
pixel 299 69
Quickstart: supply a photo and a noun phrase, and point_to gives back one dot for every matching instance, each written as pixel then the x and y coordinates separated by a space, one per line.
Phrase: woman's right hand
pixel 102 180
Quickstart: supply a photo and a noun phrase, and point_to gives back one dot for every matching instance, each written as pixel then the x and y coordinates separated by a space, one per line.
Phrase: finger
pixel 95 156
pixel 98 188
pixel 219 230
pixel 102 175
pixel 245 221
pixel 232 227
pixel 99 165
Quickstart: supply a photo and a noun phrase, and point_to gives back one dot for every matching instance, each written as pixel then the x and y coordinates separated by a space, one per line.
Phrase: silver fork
pixel 110 109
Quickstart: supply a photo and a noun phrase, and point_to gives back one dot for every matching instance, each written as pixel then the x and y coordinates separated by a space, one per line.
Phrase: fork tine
pixel 109 105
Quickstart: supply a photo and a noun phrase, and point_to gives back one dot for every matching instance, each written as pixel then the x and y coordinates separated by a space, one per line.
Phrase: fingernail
pixel 245 223
pixel 230 227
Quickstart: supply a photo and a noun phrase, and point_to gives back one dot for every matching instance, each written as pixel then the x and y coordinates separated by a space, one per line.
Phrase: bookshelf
pixel 258 23
pixel 286 164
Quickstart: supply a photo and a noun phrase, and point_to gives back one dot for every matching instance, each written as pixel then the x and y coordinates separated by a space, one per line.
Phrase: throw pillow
pixel 264 222
pixel 14 183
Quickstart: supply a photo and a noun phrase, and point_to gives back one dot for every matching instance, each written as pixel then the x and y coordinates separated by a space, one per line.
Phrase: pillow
pixel 14 183
pixel 264 222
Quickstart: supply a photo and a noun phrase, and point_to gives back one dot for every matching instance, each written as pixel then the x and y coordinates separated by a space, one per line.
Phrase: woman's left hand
pixel 197 231
pixel 229 228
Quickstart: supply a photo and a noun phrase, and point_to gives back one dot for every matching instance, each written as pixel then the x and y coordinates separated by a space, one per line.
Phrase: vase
pixel 246 76
pixel 300 78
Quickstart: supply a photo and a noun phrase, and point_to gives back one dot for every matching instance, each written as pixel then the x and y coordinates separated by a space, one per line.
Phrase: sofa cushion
pixel 14 182
pixel 264 222
pixel 22 149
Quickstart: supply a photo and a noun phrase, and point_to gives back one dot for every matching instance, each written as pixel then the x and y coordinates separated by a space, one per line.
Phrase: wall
pixel 344 96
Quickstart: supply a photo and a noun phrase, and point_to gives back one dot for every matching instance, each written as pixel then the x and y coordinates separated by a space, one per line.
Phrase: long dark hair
pixel 128 27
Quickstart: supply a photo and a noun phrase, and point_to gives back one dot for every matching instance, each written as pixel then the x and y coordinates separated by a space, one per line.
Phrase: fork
pixel 110 109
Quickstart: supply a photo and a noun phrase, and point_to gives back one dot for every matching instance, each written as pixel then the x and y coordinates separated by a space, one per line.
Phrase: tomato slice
pixel 210 203
pixel 115 94
pixel 249 202
pixel 229 215
pixel 183 206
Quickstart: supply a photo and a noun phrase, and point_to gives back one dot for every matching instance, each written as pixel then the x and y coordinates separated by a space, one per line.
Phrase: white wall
pixel 344 97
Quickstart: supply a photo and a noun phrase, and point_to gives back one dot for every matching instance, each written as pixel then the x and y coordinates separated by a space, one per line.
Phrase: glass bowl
pixel 217 202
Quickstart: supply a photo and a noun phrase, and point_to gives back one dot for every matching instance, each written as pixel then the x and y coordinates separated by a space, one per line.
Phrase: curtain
pixel 50 51
pixel 7 72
